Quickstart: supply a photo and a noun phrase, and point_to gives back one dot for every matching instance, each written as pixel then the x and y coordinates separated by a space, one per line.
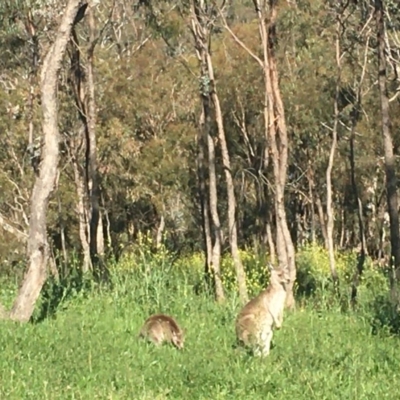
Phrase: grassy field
pixel 89 350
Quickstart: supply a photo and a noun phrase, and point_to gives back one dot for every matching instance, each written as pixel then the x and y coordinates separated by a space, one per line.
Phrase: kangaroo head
pixel 178 339
pixel 278 277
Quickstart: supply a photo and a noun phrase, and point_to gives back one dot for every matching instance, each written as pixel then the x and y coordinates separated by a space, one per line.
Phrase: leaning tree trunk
pixel 38 249
pixel 390 162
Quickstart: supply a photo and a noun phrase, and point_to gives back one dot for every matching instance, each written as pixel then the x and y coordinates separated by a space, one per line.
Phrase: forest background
pixel 134 151
pixel 203 138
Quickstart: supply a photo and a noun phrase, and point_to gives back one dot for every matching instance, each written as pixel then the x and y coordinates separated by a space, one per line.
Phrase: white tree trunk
pixel 38 249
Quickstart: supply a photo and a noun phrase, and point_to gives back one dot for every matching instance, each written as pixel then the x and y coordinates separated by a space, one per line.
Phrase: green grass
pixel 89 350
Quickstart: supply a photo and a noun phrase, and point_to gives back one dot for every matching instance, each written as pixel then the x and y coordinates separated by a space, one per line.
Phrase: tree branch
pixel 21 236
pixel 237 40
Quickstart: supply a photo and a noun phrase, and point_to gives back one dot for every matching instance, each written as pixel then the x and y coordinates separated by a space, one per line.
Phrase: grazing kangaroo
pixel 160 328
pixel 256 320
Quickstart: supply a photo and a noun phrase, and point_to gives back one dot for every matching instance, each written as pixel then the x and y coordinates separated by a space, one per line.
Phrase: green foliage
pixel 313 280
pixel 374 284
pixel 313 270
pixel 144 254
pixel 148 117
pixel 91 349
pixel 256 269
pixel 314 284
pixel 57 294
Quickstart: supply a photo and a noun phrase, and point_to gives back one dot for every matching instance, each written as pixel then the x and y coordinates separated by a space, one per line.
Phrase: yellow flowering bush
pixel 142 254
pixel 192 262
pixel 312 261
pixel 255 266
pixel 313 269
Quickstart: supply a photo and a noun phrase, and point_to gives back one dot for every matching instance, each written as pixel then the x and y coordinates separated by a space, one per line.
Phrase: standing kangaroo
pixel 258 318
pixel 160 328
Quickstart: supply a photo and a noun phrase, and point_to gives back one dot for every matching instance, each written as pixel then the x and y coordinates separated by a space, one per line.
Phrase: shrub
pixel 313 270
pixel 257 274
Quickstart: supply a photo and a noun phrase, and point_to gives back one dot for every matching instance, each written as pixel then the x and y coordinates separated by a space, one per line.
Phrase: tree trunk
pixel 33 148
pixel 232 224
pixel 277 137
pixel 213 193
pixel 270 240
pixel 100 235
pixel 343 233
pixel 82 207
pixel 330 212
pixel 38 248
pixel 200 22
pixel 283 156
pixel 321 216
pixel 205 205
pixel 201 37
pixel 160 231
pixel 329 203
pixel 78 144
pixel 312 202
pixel 64 262
pixel 84 94
pixel 390 162
pixel 107 236
pixel 92 171
pixel 355 115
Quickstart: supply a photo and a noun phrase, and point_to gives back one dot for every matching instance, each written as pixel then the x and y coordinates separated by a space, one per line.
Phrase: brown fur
pixel 257 319
pixel 160 328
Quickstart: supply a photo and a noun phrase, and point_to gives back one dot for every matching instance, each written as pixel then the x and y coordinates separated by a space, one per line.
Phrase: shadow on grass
pixel 56 292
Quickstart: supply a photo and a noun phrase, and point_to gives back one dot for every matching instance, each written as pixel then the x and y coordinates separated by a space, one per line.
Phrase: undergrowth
pixel 83 343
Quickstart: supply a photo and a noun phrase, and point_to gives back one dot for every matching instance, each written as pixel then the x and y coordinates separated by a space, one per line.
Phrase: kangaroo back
pixel 159 328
